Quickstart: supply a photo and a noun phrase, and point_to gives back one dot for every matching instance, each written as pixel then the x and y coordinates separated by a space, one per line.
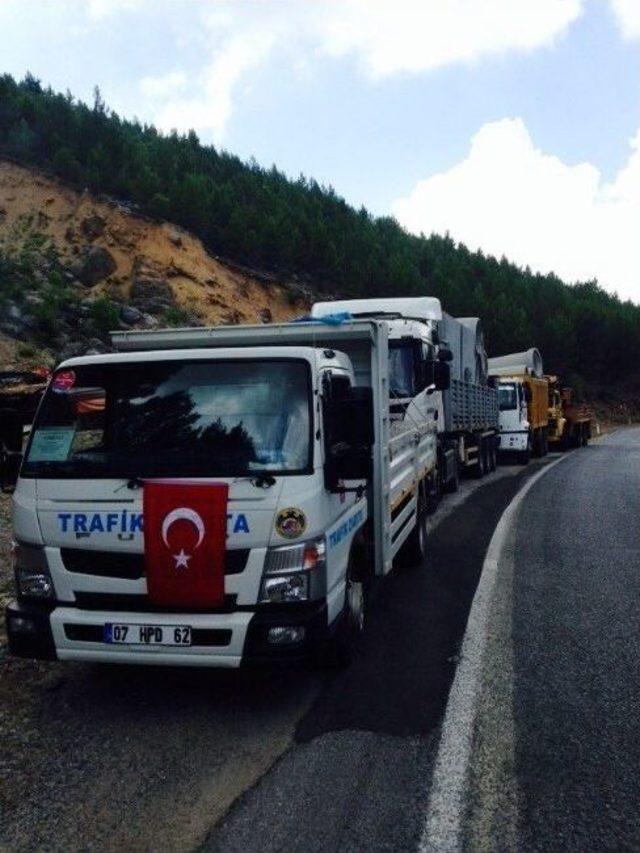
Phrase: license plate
pixel 147 635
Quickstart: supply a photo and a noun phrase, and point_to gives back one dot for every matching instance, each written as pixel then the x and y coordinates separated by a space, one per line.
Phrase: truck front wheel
pixel 452 483
pixel 336 651
pixel 525 455
pixel 493 454
pixel 480 468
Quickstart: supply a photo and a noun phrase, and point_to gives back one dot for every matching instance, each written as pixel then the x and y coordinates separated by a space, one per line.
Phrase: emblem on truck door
pixel 291 523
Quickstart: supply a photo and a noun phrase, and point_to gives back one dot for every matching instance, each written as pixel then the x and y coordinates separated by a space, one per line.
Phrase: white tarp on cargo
pixel 465 338
pixel 517 363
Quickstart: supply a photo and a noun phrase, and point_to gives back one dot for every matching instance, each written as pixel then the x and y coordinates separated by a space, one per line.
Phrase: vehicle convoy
pixel 223 496
pixel 570 423
pixel 523 394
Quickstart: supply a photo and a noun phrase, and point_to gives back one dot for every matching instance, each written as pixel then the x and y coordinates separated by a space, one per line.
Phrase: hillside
pixel 295 229
pixel 133 270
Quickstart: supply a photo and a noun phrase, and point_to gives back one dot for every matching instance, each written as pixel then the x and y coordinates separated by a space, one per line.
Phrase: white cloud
pixel 414 35
pixel 220 43
pixel 98 10
pixel 384 37
pixel 164 86
pixel 628 15
pixel 211 107
pixel 508 197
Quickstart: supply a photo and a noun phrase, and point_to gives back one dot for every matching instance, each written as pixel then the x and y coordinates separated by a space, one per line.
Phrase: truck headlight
pixel 280 589
pixel 33 579
pixel 294 573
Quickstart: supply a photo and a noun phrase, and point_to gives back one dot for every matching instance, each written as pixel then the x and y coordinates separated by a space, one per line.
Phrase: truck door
pixel 346 511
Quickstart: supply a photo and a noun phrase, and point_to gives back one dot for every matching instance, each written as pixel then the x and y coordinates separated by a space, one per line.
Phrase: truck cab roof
pixel 421 308
pixel 320 357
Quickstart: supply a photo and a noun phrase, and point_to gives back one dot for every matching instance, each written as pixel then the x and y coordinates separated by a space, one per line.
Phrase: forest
pixel 295 227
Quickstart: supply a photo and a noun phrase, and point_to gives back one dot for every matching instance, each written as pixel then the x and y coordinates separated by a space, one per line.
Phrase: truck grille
pixel 140 603
pixel 112 564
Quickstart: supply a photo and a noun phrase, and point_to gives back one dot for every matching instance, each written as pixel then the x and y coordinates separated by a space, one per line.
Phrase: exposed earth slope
pixel 142 272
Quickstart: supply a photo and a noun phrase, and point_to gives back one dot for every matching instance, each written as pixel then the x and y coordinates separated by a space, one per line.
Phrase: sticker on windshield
pixel 64 380
pixel 51 444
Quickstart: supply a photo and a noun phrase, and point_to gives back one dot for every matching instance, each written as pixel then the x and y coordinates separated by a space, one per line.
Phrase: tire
pixel 434 493
pixel 536 449
pixel 414 550
pixel 493 454
pixel 336 652
pixel 583 436
pixel 480 469
pixel 451 485
pixel 524 456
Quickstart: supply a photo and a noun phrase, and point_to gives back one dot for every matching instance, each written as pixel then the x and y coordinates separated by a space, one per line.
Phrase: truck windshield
pixel 507 398
pixel 401 370
pixel 174 418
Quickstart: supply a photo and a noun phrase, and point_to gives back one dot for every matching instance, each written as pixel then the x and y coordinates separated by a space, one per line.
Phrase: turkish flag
pixel 185 529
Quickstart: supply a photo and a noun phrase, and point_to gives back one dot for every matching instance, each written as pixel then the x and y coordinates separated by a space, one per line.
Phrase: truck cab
pixel 514 435
pixel 417 374
pixel 251 420
pixel 515 373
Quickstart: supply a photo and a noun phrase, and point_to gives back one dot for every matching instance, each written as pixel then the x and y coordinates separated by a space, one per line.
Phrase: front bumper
pixel 227 640
pixel 514 441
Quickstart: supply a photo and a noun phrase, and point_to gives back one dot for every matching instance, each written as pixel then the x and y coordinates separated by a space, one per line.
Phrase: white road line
pixel 445 810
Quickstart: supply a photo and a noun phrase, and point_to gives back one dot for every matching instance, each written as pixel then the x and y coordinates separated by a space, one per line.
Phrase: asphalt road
pixel 577 652
pixel 557 748
pixel 357 777
pixel 136 758
pixel 145 759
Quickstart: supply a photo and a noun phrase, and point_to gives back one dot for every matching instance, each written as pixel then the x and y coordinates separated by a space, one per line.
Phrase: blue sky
pixel 513 125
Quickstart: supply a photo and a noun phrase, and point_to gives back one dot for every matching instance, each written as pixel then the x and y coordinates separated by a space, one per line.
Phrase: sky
pixel 514 125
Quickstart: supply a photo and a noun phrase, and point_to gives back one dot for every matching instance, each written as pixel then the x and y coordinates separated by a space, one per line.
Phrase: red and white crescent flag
pixel 185 529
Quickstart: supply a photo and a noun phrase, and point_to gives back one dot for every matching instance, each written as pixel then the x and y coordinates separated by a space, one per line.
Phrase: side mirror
pixel 425 374
pixel 348 437
pixel 445 354
pixel 442 376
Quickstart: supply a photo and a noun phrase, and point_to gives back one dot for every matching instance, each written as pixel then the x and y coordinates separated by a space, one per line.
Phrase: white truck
pixel 523 395
pixel 465 405
pixel 514 419
pixel 325 489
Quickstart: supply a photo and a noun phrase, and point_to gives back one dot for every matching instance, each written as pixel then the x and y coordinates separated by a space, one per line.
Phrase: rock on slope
pixel 151 270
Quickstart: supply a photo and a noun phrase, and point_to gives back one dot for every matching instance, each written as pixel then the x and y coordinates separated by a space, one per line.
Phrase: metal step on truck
pixel 220 496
